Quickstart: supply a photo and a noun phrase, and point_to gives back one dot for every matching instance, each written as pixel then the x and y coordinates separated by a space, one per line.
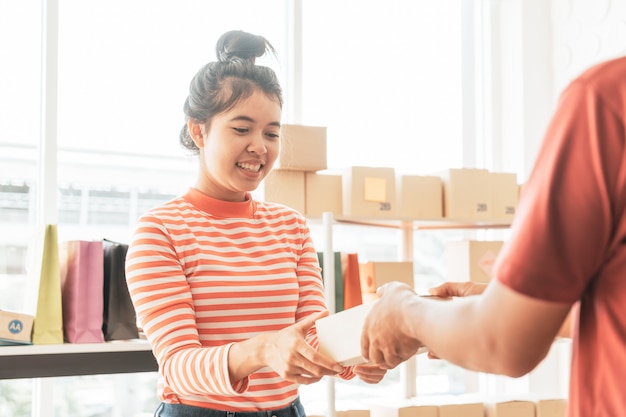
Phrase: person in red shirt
pixel 567 249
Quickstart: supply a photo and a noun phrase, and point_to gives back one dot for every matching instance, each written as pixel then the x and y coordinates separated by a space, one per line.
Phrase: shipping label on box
pixel 15 328
pixel 504 195
pixel 375 274
pixel 285 187
pixel 322 194
pixel 419 197
pixel 339 334
pixel 471 260
pixel 467 193
pixel 303 148
pixel 369 192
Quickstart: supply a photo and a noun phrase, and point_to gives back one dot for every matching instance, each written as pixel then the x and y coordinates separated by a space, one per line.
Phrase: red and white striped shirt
pixel 204 274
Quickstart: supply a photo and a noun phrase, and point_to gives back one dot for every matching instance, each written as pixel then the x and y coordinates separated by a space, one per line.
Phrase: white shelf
pixel 427 224
pixel 408 369
pixel 36 361
pixel 65 348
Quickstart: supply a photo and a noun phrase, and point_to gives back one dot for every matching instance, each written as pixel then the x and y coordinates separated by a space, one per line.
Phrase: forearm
pixel 248 356
pixel 499 332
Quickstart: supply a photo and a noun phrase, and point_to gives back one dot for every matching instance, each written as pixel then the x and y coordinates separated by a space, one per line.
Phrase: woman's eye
pixel 273 135
pixel 240 129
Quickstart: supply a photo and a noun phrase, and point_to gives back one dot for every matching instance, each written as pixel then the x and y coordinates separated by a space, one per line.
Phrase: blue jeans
pixel 179 410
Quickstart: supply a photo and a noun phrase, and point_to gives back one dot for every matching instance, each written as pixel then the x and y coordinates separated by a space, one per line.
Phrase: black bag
pixel 119 316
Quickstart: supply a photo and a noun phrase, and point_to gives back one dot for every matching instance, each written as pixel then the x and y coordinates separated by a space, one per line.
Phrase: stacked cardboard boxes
pixel 298 180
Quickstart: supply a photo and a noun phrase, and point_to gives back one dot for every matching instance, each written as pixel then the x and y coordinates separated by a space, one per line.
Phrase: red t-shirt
pixel 568 238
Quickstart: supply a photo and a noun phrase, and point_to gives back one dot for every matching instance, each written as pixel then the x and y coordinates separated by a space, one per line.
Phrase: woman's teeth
pixel 250 167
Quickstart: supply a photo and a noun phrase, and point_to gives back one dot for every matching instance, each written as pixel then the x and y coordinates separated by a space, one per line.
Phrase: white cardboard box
pixel 15 328
pixel 339 334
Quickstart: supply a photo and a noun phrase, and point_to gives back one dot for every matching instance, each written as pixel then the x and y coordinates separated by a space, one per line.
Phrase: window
pixel 385 77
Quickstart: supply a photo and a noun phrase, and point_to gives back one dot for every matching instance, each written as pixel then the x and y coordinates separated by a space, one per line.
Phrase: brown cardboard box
pixel 303 148
pixel 462 410
pixel 466 194
pixel 504 195
pixel 419 197
pixel 286 187
pixel 322 194
pixel 369 192
pixel 471 260
pixel 453 405
pixel 339 334
pixel 375 274
pixel 551 407
pixel 353 412
pixel 403 408
pixel 512 408
pixel 15 328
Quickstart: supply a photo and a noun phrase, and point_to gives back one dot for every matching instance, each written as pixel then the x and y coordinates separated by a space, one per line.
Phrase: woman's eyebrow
pixel 251 120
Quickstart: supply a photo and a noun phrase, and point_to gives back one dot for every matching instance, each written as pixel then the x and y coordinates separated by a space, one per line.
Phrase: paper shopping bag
pixel 82 281
pixel 119 318
pixel 338 279
pixel 352 296
pixel 43 293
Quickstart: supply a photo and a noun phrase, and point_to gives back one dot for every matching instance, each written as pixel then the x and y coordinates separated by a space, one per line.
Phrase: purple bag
pixel 82 280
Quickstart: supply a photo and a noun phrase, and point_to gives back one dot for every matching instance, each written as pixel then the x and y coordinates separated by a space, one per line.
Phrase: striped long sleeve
pixel 203 274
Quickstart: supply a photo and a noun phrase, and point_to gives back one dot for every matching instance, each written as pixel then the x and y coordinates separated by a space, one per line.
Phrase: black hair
pixel 221 84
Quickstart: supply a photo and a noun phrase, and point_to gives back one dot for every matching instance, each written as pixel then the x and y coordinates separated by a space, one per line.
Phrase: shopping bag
pixel 338 279
pixel 119 316
pixel 43 293
pixel 352 296
pixel 82 280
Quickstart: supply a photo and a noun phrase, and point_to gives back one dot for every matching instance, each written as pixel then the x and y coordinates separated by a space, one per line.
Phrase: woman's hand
pixel 458 289
pixel 369 373
pixel 288 354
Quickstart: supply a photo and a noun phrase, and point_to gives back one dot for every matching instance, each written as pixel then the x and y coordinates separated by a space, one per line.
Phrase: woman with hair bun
pixel 228 288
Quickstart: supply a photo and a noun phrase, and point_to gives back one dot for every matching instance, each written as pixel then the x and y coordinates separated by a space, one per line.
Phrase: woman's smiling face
pixel 238 147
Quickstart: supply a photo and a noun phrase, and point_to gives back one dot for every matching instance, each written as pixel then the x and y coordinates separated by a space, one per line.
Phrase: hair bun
pixel 239 45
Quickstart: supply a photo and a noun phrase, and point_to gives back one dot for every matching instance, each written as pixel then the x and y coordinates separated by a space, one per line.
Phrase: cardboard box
pixel 375 274
pixel 303 148
pixel 466 194
pixel 351 411
pixel 286 187
pixel 419 197
pixel 462 410
pixel 551 407
pixel 369 192
pixel 463 405
pixel 15 328
pixel 403 408
pixel 339 334
pixel 469 409
pixel 504 195
pixel 511 408
pixel 322 194
pixel 471 260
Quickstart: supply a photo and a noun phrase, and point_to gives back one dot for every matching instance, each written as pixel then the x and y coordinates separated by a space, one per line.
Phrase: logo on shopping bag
pixel 16 326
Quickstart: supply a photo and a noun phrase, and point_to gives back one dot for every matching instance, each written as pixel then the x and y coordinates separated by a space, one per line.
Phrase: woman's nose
pixel 257 145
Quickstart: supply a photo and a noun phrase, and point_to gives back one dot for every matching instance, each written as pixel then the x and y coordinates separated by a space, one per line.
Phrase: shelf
pixel 68 359
pixel 426 224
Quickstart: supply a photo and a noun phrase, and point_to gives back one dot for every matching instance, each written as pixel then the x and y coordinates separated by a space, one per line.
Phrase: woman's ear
pixel 196 131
